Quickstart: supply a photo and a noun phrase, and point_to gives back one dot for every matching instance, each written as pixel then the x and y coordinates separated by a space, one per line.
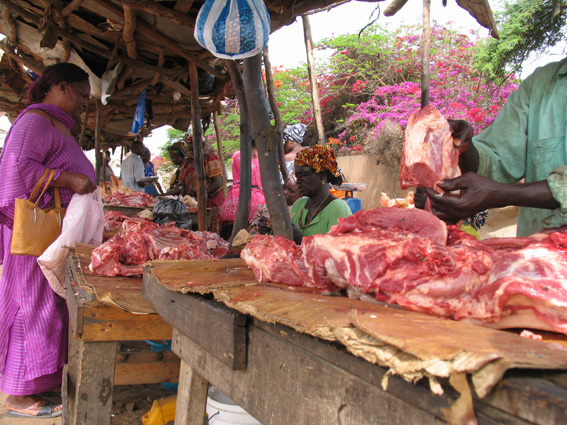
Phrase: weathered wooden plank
pixel 284 384
pixel 191 397
pixel 90 381
pixel 127 373
pixel 75 311
pixel 222 331
pixel 105 323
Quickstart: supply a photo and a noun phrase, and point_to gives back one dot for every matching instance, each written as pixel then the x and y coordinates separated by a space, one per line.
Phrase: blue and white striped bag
pixel 233 29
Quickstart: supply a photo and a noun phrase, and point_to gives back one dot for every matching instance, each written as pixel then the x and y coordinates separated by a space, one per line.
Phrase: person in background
pixel 177 153
pixel 230 204
pixel 291 192
pixel 213 179
pixel 132 168
pixel 108 173
pixel 526 142
pixel 149 171
pixel 293 141
pixel 33 318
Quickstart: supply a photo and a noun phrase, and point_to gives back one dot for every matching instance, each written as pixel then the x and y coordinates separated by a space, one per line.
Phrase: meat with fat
pixel 428 154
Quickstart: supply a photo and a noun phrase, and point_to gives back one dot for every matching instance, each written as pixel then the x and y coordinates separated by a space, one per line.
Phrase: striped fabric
pixel 33 319
pixel 233 29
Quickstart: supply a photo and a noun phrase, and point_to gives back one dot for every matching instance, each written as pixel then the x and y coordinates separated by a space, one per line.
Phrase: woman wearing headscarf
pixel 213 179
pixel 293 143
pixel 318 210
pixel 33 318
pixel 177 154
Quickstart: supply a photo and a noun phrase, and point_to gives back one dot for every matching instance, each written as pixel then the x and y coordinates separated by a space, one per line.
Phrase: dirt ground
pixel 130 403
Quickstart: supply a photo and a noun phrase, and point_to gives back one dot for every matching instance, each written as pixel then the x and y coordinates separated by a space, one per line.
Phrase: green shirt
pixel 323 221
pixel 528 141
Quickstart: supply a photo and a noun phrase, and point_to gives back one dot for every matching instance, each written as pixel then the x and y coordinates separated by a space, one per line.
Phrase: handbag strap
pixel 40 183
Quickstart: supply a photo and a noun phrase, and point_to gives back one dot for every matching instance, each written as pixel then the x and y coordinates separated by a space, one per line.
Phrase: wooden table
pixel 95 332
pixel 281 376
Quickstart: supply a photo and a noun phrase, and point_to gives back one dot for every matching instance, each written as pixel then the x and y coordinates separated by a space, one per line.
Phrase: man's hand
pixel 477 193
pixel 462 133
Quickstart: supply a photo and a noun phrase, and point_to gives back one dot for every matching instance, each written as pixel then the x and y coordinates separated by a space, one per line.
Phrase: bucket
pixel 221 410
pixel 162 411
pixel 354 203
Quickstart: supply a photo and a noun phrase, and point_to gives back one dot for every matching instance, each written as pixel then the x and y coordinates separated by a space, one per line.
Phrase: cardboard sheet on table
pixel 120 291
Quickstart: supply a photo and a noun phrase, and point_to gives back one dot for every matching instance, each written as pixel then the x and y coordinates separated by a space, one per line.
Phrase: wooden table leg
pixel 191 397
pixel 89 382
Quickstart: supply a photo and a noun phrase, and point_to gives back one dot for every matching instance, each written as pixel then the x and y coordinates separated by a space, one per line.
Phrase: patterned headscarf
pixel 181 147
pixel 320 158
pixel 295 132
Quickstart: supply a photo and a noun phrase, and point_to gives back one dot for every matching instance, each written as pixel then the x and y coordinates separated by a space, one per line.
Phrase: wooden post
pixel 425 48
pixel 84 127
pixel 198 147
pixel 275 110
pixel 98 153
pixel 244 194
pixel 267 138
pixel 220 150
pixel 313 79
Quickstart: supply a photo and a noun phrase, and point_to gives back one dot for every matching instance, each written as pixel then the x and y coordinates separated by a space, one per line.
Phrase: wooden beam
pixel 84 127
pixel 220 149
pixel 425 50
pixel 34 66
pixel 183 5
pixel 313 79
pixel 71 7
pixel 161 11
pixel 128 31
pixel 156 36
pixel 98 153
pixel 198 147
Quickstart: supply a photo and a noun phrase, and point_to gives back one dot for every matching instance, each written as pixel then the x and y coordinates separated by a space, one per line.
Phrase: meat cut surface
pixel 428 154
pixel 142 240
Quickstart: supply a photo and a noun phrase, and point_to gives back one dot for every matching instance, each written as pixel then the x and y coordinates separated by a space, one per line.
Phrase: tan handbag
pixel 35 229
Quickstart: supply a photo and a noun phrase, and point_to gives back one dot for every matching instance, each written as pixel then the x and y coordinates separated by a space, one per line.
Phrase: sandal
pixel 46 411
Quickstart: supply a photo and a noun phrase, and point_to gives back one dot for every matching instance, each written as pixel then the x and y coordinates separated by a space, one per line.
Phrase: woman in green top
pixel 318 209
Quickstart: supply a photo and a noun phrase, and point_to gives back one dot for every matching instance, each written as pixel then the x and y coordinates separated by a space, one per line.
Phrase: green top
pixel 323 221
pixel 528 141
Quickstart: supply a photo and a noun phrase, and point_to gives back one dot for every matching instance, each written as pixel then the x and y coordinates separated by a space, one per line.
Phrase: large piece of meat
pixel 428 154
pixel 383 253
pixel 141 240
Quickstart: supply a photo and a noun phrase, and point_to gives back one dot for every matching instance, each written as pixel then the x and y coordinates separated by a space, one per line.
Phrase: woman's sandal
pixel 46 411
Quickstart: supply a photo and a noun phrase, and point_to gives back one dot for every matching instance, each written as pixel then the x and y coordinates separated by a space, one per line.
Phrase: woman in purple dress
pixel 33 319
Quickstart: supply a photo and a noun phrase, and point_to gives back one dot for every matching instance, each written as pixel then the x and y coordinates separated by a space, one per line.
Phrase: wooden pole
pixel 220 150
pixel 425 49
pixel 266 136
pixel 244 194
pixel 98 153
pixel 198 147
pixel 313 79
pixel 275 110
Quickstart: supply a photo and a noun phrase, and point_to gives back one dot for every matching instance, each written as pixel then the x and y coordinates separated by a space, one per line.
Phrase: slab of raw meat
pixel 275 259
pixel 428 154
pixel 419 222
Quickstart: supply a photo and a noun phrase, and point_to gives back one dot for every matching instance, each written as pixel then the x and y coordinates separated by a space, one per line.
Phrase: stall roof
pixel 141 45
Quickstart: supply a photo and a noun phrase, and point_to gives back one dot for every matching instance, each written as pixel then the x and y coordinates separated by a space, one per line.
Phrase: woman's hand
pixel 77 182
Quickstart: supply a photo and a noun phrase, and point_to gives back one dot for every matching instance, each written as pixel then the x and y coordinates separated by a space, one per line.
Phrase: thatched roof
pixel 148 44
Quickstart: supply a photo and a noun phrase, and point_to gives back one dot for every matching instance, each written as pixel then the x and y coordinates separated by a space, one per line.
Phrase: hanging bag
pixel 35 229
pixel 233 29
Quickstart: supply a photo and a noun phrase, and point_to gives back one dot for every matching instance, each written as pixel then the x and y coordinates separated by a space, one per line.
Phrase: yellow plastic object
pixel 162 411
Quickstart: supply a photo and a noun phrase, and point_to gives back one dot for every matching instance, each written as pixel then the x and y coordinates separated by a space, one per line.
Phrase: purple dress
pixel 33 319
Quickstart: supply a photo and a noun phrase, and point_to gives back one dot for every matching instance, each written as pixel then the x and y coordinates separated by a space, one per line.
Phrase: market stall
pixel 103 312
pixel 291 355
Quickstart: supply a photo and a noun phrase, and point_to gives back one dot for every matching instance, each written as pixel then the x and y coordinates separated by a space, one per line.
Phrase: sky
pixel 287 45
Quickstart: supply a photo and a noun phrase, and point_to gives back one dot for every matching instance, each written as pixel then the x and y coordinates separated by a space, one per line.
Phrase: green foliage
pixel 525 27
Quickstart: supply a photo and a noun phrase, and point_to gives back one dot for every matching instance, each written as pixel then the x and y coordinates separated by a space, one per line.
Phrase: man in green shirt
pixel 527 141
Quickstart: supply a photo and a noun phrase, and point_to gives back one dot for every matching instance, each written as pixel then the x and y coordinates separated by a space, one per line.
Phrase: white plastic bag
pixel 83 223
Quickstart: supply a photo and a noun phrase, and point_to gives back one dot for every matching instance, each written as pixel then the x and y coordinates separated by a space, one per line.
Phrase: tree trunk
pixel 198 147
pixel 275 110
pixel 244 194
pixel 313 79
pixel 267 139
